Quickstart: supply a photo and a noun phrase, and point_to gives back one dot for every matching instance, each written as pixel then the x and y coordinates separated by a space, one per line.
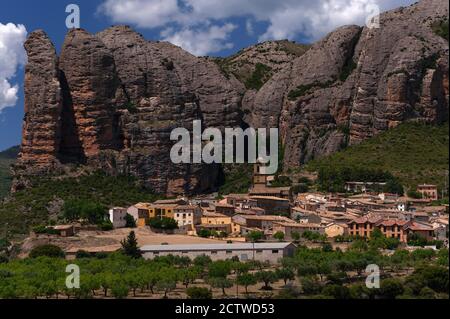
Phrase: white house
pixel 117 216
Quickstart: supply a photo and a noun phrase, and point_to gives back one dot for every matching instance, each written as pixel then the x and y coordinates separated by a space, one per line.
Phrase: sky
pixel 202 27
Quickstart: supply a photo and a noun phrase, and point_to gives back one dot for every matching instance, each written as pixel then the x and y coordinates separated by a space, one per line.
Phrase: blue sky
pixel 203 27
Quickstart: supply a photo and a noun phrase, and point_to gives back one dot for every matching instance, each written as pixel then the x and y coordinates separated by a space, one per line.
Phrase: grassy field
pixel 415 153
pixel 7 158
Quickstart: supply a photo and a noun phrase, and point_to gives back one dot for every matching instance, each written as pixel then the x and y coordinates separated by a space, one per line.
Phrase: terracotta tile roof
pixel 392 222
pixel 418 227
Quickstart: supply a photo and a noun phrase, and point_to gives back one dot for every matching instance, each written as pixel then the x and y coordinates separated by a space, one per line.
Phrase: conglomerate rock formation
pixel 111 100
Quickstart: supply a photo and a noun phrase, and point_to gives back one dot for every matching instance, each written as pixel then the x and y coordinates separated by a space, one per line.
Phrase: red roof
pixel 392 222
pixel 419 227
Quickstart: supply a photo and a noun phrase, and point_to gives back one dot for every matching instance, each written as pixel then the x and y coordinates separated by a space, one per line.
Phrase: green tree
pixel 167 281
pixel 119 290
pixel 337 292
pixel 286 274
pixel 202 261
pixel 246 280
pixel 279 236
pixel 129 221
pixel 130 246
pixel 220 268
pixel 204 233
pixel 391 288
pixel 255 236
pixel 221 283
pixel 267 277
pixel 295 236
pixel 189 275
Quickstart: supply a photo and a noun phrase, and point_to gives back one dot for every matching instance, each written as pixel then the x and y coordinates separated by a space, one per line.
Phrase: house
pixel 263 252
pixel 391 228
pixel 440 227
pixel 264 223
pixel 428 191
pixel 117 216
pixel 225 209
pixel 162 210
pixel 250 211
pixel 333 230
pixel 386 197
pixel 140 213
pixel 273 205
pixel 242 201
pixel 212 218
pixel 395 228
pixel 363 187
pixel 65 230
pixel 177 201
pixel 309 219
pixel 289 228
pixel 187 215
pixel 422 229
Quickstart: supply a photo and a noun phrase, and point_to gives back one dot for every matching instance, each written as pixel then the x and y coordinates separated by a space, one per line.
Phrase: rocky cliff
pixel 109 101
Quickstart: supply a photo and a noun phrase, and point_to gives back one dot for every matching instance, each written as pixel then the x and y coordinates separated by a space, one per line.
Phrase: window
pixel 259 251
pixel 275 251
pixel 229 252
pixel 214 252
pixel 156 253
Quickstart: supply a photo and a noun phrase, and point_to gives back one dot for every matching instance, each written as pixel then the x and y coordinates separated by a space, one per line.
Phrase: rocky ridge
pixel 110 100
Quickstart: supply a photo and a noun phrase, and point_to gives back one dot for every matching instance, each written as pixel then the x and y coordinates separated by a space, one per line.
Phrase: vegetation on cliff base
pixel 414 153
pixel 236 179
pixel 7 158
pixel 33 206
pixel 441 28
pixel 260 76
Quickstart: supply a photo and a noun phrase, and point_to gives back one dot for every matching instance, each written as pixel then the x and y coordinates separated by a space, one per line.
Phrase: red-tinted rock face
pixel 112 102
pixel 113 98
pixel 43 103
pixel 356 83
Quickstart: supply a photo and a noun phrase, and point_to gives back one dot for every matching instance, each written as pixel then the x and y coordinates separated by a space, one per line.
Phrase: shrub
pixel 204 233
pixel 258 77
pixel 199 293
pixel 47 251
pixel 106 225
pixel 302 90
pixel 83 254
pixel 441 28
pixel 164 223
pixel 129 221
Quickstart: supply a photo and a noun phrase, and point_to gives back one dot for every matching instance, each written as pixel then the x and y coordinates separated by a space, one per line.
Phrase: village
pixel 264 224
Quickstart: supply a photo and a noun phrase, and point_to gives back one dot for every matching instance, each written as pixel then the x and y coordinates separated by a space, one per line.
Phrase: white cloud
pixel 285 18
pixel 12 55
pixel 213 39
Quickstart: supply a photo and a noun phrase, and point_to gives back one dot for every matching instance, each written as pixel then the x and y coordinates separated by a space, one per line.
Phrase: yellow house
pixel 334 229
pixel 162 210
pixel 215 219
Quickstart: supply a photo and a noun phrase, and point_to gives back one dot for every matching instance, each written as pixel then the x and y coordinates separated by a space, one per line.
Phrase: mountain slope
pixel 110 100
pixel 44 199
pixel 415 153
pixel 7 158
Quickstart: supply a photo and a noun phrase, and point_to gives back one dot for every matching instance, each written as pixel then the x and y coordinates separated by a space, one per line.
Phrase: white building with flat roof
pixel 117 216
pixel 264 252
